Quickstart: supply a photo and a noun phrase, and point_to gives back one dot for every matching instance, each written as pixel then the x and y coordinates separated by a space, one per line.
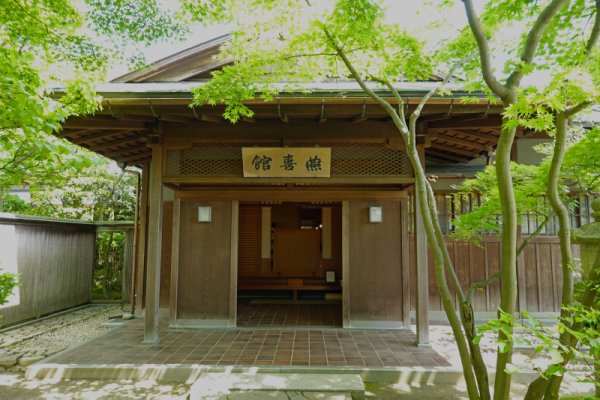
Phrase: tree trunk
pixel 564 235
pixel 549 388
pixel 508 283
pixel 440 274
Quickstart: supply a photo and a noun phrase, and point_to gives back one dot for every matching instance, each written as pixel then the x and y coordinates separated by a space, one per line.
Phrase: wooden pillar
pixel 141 242
pixel 127 264
pixel 175 260
pixel 422 273
pixel 346 263
pixel 154 246
pixel 405 263
pixel 233 262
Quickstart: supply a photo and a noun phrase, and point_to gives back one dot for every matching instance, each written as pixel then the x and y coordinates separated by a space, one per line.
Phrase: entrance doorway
pixel 290 264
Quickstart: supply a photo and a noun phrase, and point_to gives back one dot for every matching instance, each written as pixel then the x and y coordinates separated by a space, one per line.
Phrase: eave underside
pixel 123 130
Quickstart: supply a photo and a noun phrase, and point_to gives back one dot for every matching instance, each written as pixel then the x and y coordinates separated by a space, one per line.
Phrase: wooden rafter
pixel 96 136
pixel 137 157
pixel 67 133
pixel 490 137
pixel 462 142
pixel 128 150
pixel 446 156
pixel 465 123
pixel 452 149
pixel 127 140
pixel 176 118
pixel 137 117
pixel 78 123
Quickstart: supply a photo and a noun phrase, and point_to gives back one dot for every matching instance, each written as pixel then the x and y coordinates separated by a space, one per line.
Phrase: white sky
pixel 414 15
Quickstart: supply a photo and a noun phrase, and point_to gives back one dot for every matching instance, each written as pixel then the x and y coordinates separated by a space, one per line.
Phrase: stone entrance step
pixel 249 385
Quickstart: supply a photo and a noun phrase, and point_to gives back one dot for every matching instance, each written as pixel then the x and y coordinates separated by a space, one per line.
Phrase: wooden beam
pixel 395 144
pixel 154 248
pixel 132 149
pixel 137 117
pixel 233 262
pixel 142 243
pixel 438 159
pixel 175 118
pixel 239 180
pixel 117 142
pixel 272 129
pixel 248 120
pixel 346 263
pixel 96 136
pixel 175 261
pixel 405 263
pixel 449 157
pixel 102 124
pixel 286 194
pixel 465 123
pixel 211 118
pixel 462 142
pixel 477 135
pixel 136 157
pixel 451 149
pixel 65 134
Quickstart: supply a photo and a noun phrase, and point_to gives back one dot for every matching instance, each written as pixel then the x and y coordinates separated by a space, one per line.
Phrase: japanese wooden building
pixel 310 196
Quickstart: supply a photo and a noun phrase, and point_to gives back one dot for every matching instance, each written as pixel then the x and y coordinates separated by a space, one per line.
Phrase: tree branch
pixel 400 124
pixel 533 40
pixel 569 112
pixel 484 50
pixel 481 285
pixel 417 113
pixel 534 234
pixel 594 34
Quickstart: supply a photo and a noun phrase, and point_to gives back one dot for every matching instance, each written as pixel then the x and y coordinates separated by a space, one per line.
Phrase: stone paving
pixel 256 347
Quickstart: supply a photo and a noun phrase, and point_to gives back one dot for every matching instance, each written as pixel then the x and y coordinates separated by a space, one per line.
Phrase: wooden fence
pixel 538 270
pixel 54 260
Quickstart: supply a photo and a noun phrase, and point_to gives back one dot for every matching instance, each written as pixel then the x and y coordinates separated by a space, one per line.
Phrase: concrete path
pixel 219 386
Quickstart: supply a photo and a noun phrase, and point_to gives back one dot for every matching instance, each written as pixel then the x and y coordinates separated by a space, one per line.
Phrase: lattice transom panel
pixel 225 160
pixel 205 160
pixel 367 160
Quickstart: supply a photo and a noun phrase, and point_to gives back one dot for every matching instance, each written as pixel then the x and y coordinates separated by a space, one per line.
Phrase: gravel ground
pixel 56 334
pixel 49 336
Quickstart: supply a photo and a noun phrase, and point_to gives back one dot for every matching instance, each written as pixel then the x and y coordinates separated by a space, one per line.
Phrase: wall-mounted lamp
pixel 204 214
pixel 375 214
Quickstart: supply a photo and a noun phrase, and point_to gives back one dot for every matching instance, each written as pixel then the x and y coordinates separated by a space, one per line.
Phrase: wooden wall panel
pixel 493 259
pixel 545 278
pixel 165 265
pixel 296 252
pixel 557 274
pixel 542 284
pixel 375 283
pixel 477 273
pixel 531 278
pixel 55 263
pixel 435 302
pixel 335 262
pixel 204 262
pixel 249 258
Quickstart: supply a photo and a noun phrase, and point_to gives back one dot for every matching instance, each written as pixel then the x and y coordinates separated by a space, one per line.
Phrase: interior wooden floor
pixel 286 313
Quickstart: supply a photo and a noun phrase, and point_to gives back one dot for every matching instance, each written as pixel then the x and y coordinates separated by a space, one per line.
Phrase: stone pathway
pixel 27 344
